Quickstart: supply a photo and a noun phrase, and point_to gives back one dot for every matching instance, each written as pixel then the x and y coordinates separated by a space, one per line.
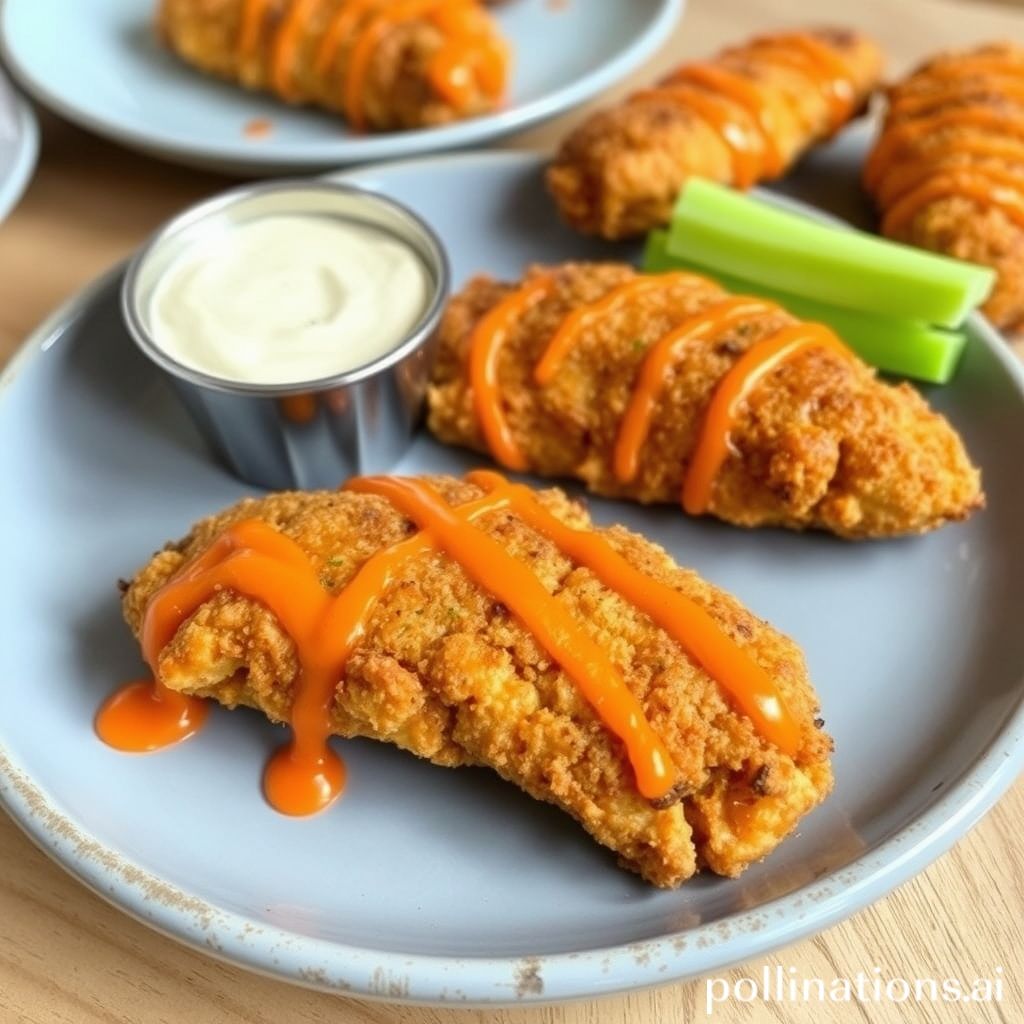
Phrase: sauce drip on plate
pixel 253 559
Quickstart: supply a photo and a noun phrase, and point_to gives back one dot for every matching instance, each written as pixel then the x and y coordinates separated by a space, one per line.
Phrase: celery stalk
pixel 756 240
pixel 899 346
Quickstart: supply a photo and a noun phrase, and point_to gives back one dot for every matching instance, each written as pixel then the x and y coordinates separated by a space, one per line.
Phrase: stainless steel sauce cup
pixel 315 433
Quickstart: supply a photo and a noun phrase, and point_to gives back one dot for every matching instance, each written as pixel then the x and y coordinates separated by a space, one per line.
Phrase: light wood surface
pixel 66 956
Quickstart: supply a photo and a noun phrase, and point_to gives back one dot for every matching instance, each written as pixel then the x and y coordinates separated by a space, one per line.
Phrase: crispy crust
pixel 822 443
pixel 618 173
pixel 956 225
pixel 398 94
pixel 449 674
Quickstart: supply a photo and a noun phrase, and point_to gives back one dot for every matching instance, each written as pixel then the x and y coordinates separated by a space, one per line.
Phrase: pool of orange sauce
pixel 258 128
pixel 304 776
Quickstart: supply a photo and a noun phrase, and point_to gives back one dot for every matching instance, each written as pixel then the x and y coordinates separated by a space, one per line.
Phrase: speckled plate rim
pixel 462 981
pixel 19 174
pixel 321 154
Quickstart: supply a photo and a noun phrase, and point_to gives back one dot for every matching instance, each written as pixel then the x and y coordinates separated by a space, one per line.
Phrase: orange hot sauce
pixel 254 13
pixel 898 136
pixel 978 64
pixel 750 687
pixel 820 63
pixel 485 346
pixel 986 186
pixel 515 584
pixel 473 53
pixel 752 367
pixel 258 128
pixel 658 361
pixel 253 559
pixel 282 59
pixel 746 94
pixel 472 57
pixel 563 340
pixel 340 29
pixel 996 86
pixel 746 146
pixel 712 447
pixel 901 178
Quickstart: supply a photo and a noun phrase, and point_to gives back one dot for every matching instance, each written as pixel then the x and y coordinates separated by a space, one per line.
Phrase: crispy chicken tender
pixel 958 223
pixel 397 90
pixel 618 174
pixel 819 443
pixel 446 672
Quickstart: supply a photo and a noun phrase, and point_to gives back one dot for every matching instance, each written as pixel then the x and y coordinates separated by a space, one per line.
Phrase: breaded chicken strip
pixel 947 172
pixel 819 442
pixel 384 64
pixel 445 671
pixel 743 117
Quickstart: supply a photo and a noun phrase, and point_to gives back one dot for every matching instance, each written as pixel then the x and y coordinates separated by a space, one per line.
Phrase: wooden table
pixel 66 956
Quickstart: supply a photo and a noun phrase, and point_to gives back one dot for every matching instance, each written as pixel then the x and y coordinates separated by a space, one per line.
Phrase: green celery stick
pixel 907 348
pixel 759 241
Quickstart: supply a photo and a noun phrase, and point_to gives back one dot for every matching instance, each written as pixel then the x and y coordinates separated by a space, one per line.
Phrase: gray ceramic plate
pixel 19 145
pixel 122 84
pixel 448 886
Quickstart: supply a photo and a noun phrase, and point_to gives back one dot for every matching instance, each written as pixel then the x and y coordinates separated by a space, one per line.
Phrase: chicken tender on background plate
pixel 745 116
pixel 947 171
pixel 384 66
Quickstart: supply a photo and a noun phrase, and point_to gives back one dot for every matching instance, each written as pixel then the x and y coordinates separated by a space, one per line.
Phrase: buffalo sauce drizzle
pixel 471 57
pixel 745 93
pixel 715 93
pixel 819 62
pixel 740 135
pixel 656 366
pixel 727 400
pixel 254 560
pixel 905 186
pixel 485 345
pixel 749 686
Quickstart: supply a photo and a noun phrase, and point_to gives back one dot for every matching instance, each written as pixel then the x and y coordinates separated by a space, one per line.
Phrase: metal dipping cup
pixel 317 433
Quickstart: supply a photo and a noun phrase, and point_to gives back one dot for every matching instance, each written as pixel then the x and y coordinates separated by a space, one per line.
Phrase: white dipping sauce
pixel 289 298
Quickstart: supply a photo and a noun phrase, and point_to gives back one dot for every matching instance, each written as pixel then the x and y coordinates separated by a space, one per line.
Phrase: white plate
pixel 99 64
pixel 19 145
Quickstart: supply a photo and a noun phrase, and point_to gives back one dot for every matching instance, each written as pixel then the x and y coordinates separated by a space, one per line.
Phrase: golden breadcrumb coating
pixel 820 443
pixel 958 225
pixel 619 173
pixel 448 673
pixel 397 93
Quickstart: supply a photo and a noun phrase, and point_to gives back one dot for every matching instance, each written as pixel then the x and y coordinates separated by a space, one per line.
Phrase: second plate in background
pixel 124 85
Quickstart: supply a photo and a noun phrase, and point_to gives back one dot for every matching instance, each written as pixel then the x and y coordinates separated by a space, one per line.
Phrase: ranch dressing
pixel 287 299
